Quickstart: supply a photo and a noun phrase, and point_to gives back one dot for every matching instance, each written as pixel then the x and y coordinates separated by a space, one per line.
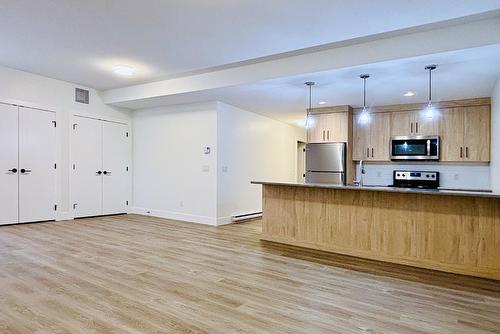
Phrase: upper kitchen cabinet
pixel 465 134
pixel 371 138
pixel 328 127
pixel 413 123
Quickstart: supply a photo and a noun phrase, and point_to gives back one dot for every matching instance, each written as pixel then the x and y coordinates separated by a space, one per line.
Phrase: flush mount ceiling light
pixel 429 110
pixel 309 84
pixel 123 70
pixel 365 116
pixel 409 93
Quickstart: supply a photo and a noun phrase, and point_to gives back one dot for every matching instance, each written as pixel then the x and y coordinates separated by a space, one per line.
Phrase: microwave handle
pixel 428 147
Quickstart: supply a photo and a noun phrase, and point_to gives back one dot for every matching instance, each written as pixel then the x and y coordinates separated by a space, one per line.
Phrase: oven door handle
pixel 428 147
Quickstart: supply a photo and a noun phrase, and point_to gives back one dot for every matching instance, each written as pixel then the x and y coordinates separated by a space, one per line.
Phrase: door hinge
pixel 303 150
pixel 55 207
pixel 55 166
pixel 303 175
pixel 126 134
pixel 74 126
pixel 127 202
pixel 74 166
pixel 74 206
pixel 126 168
pixel 55 123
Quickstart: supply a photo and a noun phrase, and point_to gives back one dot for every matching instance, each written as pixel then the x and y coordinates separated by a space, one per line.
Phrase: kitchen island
pixel 451 231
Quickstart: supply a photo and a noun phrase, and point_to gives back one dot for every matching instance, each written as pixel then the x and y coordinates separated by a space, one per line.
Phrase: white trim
pixel 21 103
pixel 64 216
pixel 175 216
pixel 224 221
pixel 100 118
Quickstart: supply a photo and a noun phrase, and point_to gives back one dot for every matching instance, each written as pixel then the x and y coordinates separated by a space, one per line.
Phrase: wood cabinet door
pixel 315 131
pixel 361 138
pixel 425 126
pixel 476 133
pixel 336 126
pixel 401 123
pixel 451 130
pixel 380 133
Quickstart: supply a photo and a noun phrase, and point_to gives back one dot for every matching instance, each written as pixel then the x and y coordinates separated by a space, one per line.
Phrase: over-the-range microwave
pixel 415 148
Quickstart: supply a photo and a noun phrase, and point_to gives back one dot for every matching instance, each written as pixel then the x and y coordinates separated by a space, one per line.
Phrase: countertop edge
pixel 483 194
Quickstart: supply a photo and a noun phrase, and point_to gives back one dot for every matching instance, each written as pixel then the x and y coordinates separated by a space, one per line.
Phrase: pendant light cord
pixel 430 85
pixel 364 93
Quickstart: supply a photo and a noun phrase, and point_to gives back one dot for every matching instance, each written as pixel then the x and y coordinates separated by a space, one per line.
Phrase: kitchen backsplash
pixel 451 176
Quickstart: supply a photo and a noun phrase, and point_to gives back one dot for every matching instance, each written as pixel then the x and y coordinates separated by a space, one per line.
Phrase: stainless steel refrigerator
pixel 326 163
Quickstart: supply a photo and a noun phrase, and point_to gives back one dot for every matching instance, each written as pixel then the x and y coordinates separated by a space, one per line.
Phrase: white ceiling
pixel 460 74
pixel 79 41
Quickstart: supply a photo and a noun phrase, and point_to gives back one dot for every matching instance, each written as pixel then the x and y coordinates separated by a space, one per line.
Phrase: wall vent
pixel 81 95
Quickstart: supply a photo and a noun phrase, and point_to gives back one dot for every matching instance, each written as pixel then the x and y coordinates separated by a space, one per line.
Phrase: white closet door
pixel 87 167
pixel 116 181
pixel 8 164
pixel 37 157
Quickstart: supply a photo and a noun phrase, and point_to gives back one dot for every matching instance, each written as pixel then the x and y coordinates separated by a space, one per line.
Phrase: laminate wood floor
pixel 136 274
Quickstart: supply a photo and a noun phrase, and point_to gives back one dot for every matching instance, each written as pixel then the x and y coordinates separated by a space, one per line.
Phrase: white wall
pixel 173 177
pixel 451 176
pixel 36 91
pixel 495 138
pixel 251 148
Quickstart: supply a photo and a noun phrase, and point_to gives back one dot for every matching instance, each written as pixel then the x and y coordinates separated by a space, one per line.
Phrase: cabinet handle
pixel 461 152
pixel 328 134
pixel 411 127
pixel 372 152
pixel 367 152
pixel 416 127
pixel 466 151
pixel 323 135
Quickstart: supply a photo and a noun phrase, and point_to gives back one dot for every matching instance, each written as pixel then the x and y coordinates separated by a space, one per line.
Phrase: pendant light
pixel 309 84
pixel 429 110
pixel 365 116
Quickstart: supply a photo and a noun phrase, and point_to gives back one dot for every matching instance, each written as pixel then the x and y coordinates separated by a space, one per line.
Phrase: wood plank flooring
pixel 136 274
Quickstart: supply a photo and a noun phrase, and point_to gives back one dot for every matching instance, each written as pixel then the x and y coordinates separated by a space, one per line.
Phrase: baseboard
pixel 176 216
pixel 64 216
pixel 224 220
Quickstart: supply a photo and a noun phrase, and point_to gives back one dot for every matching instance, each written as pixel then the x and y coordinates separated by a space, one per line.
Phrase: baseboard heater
pixel 246 216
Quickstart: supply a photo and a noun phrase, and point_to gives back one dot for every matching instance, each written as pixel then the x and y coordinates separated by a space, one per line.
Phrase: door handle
pixel 98 172
pixel 13 170
pixel 25 171
pixel 106 172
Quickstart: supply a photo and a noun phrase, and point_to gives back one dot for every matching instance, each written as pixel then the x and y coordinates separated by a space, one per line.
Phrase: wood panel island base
pixel 448 231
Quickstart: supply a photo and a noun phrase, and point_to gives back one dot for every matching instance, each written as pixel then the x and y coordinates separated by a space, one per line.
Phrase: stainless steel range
pixel 415 179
